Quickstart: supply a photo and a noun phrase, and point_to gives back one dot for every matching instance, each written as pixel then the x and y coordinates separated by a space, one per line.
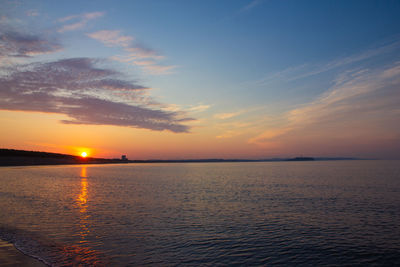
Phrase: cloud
pixel 78 88
pixel 268 135
pixel 80 21
pixel 17 45
pixel 233 128
pixel 140 51
pixel 111 38
pixel 136 54
pixel 158 69
pixel 190 108
pixel 93 15
pixel 250 6
pixel 308 70
pixel 228 134
pixel 360 109
pixel 224 116
pixel 83 89
pixel 199 108
pixel 32 13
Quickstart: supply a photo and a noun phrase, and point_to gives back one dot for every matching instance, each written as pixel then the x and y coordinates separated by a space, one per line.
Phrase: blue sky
pixel 252 63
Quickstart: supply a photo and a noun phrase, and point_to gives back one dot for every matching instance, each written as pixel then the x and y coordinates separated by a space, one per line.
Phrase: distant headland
pixel 301 159
pixel 13 157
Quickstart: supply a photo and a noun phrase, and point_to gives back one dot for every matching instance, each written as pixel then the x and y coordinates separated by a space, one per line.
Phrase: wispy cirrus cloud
pixel 250 5
pixel 158 69
pixel 140 51
pixel 295 73
pixel 362 108
pixel 228 115
pixel 112 38
pixel 32 13
pixel 228 134
pixel 191 108
pixel 136 53
pixel 243 10
pixel 76 22
pixel 199 108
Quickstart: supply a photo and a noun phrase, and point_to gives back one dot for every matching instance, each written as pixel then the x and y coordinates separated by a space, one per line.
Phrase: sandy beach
pixel 10 256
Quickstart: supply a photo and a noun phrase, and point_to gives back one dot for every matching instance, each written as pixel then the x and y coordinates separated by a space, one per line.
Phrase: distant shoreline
pixel 13 157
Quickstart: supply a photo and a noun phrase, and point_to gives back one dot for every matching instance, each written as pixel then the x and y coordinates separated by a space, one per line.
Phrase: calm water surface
pixel 292 213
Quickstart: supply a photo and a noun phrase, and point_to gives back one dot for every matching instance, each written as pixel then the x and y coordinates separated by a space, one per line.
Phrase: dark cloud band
pixel 78 88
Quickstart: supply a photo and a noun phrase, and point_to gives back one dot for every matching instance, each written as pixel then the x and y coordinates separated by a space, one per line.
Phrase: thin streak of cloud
pixel 243 10
pixel 32 13
pixel 224 116
pixel 307 70
pixel 159 69
pixel 250 5
pixel 81 21
pixel 191 108
pixel 137 54
pixel 93 15
pixel 229 115
pixel 73 26
pixel 199 108
pixel 366 101
pixel 228 134
pixel 144 62
pixel 111 38
pixel 140 51
pixel 233 129
pixel 68 18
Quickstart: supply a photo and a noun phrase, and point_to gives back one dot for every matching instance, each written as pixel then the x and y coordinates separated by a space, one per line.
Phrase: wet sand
pixel 10 256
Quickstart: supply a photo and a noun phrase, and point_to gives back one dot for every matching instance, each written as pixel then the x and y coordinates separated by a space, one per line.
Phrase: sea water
pixel 205 214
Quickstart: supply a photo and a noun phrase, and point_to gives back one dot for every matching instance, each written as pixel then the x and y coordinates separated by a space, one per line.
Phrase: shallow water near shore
pixel 10 257
pixel 255 213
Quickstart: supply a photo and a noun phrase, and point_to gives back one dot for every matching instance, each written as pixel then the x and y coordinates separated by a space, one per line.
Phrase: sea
pixel 314 213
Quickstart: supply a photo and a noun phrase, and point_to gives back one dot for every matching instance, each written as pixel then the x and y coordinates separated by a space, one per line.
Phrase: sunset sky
pixel 201 79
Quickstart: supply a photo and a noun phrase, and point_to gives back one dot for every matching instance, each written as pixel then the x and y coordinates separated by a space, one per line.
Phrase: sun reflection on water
pixel 83 172
pixel 83 205
pixel 83 253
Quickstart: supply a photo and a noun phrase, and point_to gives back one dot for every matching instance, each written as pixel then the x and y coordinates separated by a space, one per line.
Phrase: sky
pixel 201 79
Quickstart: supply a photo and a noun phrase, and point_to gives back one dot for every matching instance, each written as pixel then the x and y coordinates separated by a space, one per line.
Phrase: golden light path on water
pixel 82 204
pixel 84 253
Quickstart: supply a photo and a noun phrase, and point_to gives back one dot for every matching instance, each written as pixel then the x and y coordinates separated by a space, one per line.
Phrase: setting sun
pixel 273 140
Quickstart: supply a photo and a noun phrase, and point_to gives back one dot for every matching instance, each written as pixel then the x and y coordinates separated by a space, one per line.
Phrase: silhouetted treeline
pixel 24 153
pixel 13 157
